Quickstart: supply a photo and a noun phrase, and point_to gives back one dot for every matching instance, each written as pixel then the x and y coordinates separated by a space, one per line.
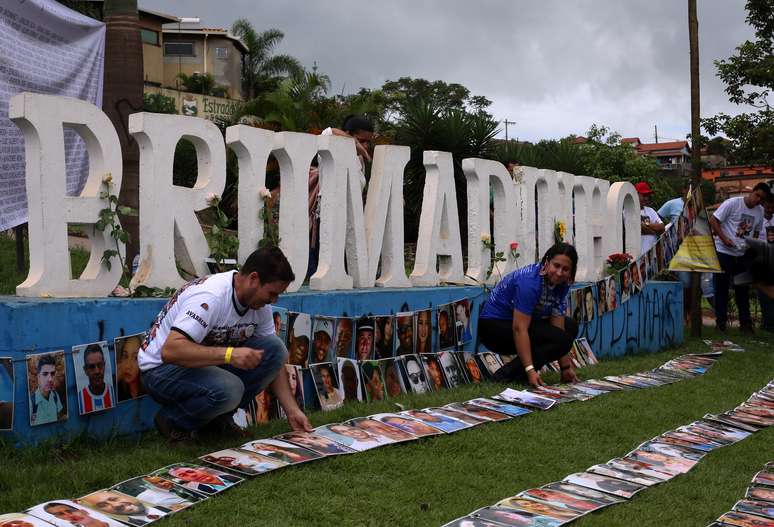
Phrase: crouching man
pixel 212 348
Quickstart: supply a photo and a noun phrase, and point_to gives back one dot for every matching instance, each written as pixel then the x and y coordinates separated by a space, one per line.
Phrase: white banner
pixel 46 48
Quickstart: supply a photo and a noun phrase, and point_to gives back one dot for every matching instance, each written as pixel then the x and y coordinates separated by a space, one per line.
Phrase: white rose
pixel 107 178
pixel 485 238
pixel 264 193
pixel 212 198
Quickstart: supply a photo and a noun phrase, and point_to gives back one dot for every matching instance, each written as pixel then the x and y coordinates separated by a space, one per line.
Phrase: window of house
pixel 221 53
pixel 149 36
pixel 179 49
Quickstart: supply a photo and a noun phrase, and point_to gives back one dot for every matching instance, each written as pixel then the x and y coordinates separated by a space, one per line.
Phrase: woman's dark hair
pixel 562 249
pixel 354 123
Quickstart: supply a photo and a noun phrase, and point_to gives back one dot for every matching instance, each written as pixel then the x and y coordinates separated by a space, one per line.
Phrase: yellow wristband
pixel 229 351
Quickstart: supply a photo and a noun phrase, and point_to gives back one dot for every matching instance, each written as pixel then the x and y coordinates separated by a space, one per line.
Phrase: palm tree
pixel 260 68
pixel 123 95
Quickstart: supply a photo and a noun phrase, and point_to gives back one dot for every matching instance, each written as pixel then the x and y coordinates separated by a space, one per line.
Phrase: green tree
pixel 158 103
pixel 749 78
pixel 261 69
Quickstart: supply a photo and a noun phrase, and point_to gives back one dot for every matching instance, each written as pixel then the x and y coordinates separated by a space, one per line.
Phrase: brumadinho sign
pixel 366 235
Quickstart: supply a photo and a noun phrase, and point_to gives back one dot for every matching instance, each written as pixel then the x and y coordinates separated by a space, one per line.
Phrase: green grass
pixel 432 481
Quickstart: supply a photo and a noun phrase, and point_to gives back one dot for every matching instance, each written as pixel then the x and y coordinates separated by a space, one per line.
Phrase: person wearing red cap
pixel 651 225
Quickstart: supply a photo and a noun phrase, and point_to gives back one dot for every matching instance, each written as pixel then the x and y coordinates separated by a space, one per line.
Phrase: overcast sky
pixel 553 66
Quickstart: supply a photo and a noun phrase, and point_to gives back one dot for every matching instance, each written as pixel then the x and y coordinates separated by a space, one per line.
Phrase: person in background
pixel 651 225
pixel 732 223
pixel 670 211
pixel 767 235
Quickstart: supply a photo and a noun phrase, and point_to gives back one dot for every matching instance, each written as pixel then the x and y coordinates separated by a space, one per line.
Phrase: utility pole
pixel 693 38
pixel 507 122
pixel 655 131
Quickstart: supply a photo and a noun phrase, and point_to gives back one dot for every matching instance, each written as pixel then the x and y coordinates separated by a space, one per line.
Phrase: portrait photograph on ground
pixel 67 513
pixel 503 408
pixel 515 517
pixel 450 367
pixel 323 346
pixel 433 371
pixel 263 408
pixel 326 385
pixel 281 450
pixel 439 421
pixel 280 317
pixel 562 500
pixel 364 338
pixel 128 381
pixel 413 374
pixel 447 336
pixel 350 385
pixel 349 436
pixel 7 387
pixel 93 377
pixel 373 381
pixel 634 477
pixel 384 336
pixel 299 337
pixel 391 376
pixel 364 423
pixel 489 362
pixel 472 369
pixel 315 442
pixel 525 398
pixel 469 420
pixel 462 324
pixel 579 490
pixel 16 519
pixel 407 424
pixel 537 507
pixel 47 388
pixel 613 486
pixel 424 331
pixel 481 411
pixel 404 323
pixel 159 492
pixel 242 461
pixel 296 382
pixel 123 508
pixel 344 341
pixel 199 478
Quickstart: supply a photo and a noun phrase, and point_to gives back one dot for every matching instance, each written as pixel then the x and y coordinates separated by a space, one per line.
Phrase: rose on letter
pixel 486 239
pixel 264 193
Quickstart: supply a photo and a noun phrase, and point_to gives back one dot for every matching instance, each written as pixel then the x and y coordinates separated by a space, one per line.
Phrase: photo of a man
pixel 285 452
pixel 123 508
pixel 462 322
pixel 344 342
pixel 451 369
pixel 299 332
pixel 489 362
pixel 433 371
pixel 66 513
pixel 158 492
pixel 317 443
pixel 350 385
pixel 447 337
pixel 280 317
pixel 6 393
pixel 243 461
pixel 405 324
pixel 391 377
pixel 204 480
pixel 364 339
pixel 326 385
pixel 47 388
pixel 415 377
pixel 16 519
pixel 372 377
pixel 322 342
pixel 93 377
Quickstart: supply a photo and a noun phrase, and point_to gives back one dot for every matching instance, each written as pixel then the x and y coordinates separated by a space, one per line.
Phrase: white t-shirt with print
pixel 649 217
pixel 766 223
pixel 737 221
pixel 206 311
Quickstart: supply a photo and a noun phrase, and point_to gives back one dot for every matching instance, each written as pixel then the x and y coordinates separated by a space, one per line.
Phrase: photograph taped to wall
pixel 424 331
pixel 326 385
pixel 128 380
pixel 462 323
pixel 447 338
pixel 601 289
pixel 323 347
pixel 159 492
pixel 364 338
pixel 7 387
pixel 575 305
pixel 122 507
pixel 350 385
pixel 589 306
pixel 384 336
pixel 404 324
pixel 345 343
pixel 625 284
pixel 634 273
pixel 67 513
pixel 299 337
pixel 93 377
pixel 47 387
pixel 372 380
pixel 280 317
pixel 612 292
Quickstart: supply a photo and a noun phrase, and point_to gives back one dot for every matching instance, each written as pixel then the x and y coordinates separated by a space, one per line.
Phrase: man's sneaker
pixel 224 426
pixel 170 432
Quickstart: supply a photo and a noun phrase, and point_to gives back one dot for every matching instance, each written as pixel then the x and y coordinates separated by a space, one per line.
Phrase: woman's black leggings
pixel 548 342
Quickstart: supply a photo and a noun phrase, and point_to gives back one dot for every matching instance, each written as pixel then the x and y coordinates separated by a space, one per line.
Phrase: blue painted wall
pixel 648 322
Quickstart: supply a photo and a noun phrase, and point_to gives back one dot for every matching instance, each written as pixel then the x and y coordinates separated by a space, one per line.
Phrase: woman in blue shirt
pixel 525 316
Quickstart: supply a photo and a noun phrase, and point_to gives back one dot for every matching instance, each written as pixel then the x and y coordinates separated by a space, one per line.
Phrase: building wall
pixel 226 72
pixel 153 55
pixel 197 105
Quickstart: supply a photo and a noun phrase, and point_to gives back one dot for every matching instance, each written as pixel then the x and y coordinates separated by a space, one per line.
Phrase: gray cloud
pixel 553 66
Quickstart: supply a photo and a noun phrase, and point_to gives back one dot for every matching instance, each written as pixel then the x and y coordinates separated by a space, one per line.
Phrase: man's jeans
pixel 192 397
pixel 731 265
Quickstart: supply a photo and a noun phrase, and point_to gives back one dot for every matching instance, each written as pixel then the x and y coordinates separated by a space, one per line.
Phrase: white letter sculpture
pixel 41 119
pixel 439 225
pixel 167 211
pixel 479 173
pixel 384 217
pixel 623 212
pixel 591 226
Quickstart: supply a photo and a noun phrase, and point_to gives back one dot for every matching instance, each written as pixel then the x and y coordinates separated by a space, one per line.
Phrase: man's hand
pixel 728 242
pixel 362 150
pixel 298 421
pixel 246 358
pixel 534 379
pixel 569 375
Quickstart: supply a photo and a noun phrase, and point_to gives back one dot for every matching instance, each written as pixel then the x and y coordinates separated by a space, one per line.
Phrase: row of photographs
pixel 101 382
pixel 587 303
pixel 756 509
pixel 656 461
pixel 315 339
pixel 145 499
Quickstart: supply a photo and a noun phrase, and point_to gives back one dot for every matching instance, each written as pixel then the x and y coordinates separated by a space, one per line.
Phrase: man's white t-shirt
pixel 206 311
pixel 649 217
pixel 737 221
pixel 766 224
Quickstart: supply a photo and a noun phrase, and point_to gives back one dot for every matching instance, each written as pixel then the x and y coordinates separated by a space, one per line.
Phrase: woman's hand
pixel 534 379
